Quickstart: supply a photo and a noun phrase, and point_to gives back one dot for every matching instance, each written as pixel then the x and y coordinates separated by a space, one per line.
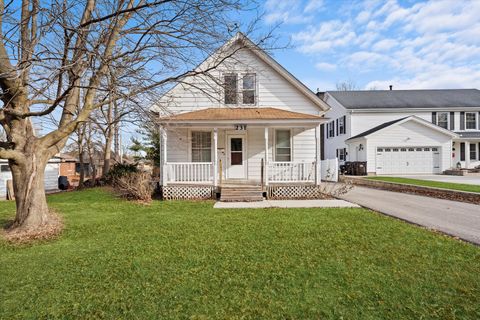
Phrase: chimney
pixel 391 87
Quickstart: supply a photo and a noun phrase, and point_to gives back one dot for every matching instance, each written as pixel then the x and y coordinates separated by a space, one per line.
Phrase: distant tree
pixel 347 85
pixel 147 148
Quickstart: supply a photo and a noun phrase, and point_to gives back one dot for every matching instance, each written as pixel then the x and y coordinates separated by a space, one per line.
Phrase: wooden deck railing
pixel 189 172
pixel 291 171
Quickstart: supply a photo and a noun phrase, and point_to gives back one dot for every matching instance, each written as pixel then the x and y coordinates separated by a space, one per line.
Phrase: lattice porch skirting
pixel 295 192
pixel 187 192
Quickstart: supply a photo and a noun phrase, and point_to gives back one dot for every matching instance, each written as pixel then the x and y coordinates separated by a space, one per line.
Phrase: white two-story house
pixel 404 131
pixel 246 121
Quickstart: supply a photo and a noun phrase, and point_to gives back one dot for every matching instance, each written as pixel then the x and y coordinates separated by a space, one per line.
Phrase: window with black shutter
pixel 434 117
pixel 462 120
pixel 462 151
pixel 452 121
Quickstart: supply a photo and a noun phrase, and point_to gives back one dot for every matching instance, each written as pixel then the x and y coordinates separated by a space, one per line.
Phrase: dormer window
pixel 246 94
pixel 470 120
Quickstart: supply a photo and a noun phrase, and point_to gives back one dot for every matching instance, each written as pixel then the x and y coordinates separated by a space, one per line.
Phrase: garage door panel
pixel 406 160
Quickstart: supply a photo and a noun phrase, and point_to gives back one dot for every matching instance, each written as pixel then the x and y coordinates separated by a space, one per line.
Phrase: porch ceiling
pixel 242 115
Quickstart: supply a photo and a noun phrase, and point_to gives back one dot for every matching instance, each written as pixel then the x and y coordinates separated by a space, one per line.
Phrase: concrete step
pixel 241 199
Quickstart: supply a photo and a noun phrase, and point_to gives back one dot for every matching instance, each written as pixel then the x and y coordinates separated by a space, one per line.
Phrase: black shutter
pixel 434 117
pixel 338 132
pixel 344 154
pixel 462 120
pixel 462 151
pixel 345 124
pixel 452 121
pixel 337 153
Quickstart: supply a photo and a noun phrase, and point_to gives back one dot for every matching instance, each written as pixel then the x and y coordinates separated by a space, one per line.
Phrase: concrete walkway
pixel 451 217
pixel 286 204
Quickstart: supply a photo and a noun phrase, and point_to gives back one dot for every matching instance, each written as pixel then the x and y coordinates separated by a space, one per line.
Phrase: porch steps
pixel 241 193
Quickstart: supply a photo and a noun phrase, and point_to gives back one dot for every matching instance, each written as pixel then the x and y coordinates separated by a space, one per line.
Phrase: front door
pixel 236 157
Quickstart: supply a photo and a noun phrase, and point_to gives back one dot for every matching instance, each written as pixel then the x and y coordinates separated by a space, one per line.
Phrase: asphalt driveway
pixel 444 178
pixel 458 219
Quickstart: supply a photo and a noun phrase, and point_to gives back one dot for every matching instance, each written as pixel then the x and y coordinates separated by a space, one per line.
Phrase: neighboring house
pixel 404 131
pixel 248 122
pixel 52 171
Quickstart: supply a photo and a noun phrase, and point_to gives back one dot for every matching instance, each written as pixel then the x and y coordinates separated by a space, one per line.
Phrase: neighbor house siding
pixel 338 140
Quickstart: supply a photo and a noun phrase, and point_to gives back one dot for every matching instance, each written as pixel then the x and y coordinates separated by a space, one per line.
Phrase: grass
pixel 428 183
pixel 185 260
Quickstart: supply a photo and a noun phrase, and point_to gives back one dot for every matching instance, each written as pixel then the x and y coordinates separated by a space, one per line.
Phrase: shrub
pixel 120 170
pixel 134 186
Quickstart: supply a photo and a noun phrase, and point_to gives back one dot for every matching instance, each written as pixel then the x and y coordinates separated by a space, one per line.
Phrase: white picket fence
pixel 329 170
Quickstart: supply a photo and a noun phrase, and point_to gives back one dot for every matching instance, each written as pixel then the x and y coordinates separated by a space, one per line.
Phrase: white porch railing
pixel 189 172
pixel 291 171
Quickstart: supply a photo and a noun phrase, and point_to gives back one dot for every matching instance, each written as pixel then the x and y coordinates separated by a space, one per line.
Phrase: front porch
pixel 204 156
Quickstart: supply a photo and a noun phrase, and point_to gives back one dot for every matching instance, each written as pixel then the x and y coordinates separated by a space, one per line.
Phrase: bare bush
pixel 135 186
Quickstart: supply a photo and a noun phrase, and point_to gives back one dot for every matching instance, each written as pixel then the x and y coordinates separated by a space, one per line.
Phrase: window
pixel 283 148
pixel 341 154
pixel 230 88
pixel 331 129
pixel 470 120
pixel 473 151
pixel 442 119
pixel 5 168
pixel 341 125
pixel 248 90
pixel 201 146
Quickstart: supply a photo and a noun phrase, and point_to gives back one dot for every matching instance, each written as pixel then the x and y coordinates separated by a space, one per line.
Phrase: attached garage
pixel 405 146
pixel 405 160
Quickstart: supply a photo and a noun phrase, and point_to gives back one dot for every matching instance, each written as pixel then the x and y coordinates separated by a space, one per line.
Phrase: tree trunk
pixel 28 185
pixel 107 151
pixel 82 168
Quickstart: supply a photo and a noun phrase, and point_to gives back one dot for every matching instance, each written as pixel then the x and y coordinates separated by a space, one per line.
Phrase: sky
pixel 376 43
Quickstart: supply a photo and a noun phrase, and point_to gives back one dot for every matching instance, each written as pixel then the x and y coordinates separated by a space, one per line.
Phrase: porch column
pixel 215 156
pixel 163 155
pixel 318 177
pixel 467 154
pixel 266 156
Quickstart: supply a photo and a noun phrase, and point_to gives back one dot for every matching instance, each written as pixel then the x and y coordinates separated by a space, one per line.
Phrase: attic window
pixel 230 88
pixel 248 90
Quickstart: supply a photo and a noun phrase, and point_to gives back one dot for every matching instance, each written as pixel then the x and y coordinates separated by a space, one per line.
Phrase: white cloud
pixel 325 66
pixel 291 11
pixel 430 44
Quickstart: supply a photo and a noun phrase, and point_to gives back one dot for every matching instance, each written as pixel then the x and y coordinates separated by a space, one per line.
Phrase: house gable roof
pixel 400 121
pixel 267 59
pixel 408 99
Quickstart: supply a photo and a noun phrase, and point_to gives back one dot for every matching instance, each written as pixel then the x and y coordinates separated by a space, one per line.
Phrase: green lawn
pixel 186 260
pixel 427 183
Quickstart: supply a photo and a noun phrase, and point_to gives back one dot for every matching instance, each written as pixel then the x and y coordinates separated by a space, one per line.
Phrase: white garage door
pixel 404 160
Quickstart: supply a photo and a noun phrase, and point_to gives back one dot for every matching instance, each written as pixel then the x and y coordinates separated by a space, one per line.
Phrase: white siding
pixel 273 90
pixel 338 141
pixel 363 121
pixel 409 134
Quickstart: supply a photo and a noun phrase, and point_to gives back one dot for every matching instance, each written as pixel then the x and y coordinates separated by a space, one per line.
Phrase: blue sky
pixel 375 43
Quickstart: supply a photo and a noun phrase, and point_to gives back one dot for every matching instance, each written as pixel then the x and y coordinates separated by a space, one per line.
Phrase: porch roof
pixel 245 115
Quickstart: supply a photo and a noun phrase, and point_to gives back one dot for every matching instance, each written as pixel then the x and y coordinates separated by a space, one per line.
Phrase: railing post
pixel 163 158
pixel 318 177
pixel 215 155
pixel 266 156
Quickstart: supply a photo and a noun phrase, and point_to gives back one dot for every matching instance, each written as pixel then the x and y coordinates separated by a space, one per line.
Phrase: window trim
pixel 331 129
pixel 474 150
pixel 239 89
pixel 448 119
pixel 275 144
pixel 341 125
pixel 339 152
pixel 476 121
pixel 190 145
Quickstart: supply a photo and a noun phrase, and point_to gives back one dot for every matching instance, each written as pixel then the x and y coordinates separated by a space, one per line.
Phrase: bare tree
pixel 347 85
pixel 55 57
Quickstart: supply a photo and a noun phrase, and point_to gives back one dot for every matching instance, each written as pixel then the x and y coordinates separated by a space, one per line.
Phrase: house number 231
pixel 240 127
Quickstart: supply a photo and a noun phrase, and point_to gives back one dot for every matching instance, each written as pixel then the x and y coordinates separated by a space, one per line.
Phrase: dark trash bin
pixel 63 183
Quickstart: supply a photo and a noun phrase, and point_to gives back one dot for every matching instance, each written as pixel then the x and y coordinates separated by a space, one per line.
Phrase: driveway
pixel 458 219
pixel 445 178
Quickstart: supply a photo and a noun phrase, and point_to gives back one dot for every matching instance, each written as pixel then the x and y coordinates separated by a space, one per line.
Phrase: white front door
pixel 236 157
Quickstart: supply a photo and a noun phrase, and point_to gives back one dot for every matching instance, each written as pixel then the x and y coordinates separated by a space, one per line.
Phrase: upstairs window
pixel 283 145
pixel 341 125
pixel 201 146
pixel 331 129
pixel 470 120
pixel 473 151
pixel 230 88
pixel 248 89
pixel 442 119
